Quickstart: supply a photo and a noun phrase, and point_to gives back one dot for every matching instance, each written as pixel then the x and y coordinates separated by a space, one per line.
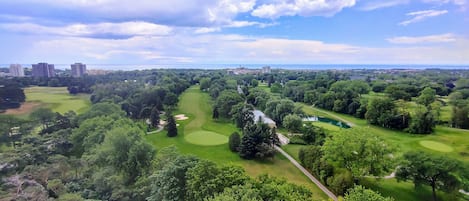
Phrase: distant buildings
pixel 245 71
pixel 16 70
pixel 78 69
pixel 266 69
pixel 43 70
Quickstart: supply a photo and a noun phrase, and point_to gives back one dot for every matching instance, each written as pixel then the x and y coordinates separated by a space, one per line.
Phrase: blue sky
pixel 235 31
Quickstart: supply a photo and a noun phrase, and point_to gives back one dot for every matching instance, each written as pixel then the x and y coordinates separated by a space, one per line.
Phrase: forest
pixel 109 151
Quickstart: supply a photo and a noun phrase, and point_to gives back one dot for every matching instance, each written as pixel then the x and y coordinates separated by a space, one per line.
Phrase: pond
pixel 327 120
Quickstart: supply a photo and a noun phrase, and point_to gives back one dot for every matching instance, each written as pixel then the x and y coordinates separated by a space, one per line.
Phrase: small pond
pixel 327 120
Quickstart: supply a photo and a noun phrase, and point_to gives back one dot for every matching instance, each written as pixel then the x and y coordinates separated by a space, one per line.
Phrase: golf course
pixel 204 137
pixel 56 98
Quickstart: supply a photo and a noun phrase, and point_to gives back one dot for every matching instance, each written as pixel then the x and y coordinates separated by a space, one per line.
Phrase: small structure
pixel 259 115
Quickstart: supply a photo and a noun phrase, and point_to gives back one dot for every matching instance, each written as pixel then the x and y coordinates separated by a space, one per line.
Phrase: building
pixel 43 70
pixel 266 69
pixel 16 70
pixel 78 69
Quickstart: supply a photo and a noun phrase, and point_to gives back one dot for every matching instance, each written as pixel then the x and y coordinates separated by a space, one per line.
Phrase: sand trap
pixel 25 108
pixel 181 117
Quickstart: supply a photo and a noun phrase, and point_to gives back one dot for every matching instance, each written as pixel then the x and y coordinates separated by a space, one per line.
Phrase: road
pixel 305 172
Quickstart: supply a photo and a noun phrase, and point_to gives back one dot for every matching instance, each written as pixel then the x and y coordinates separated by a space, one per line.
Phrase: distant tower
pixel 266 69
pixel 78 69
pixel 43 70
pixel 16 70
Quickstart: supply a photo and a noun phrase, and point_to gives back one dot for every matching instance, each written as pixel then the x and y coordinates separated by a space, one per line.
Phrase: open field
pixel 56 98
pixel 196 105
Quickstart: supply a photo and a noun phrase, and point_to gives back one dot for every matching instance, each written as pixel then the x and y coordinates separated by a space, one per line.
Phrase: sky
pixel 235 31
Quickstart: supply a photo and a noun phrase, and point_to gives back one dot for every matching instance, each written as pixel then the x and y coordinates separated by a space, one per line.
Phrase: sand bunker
pixel 25 108
pixel 181 117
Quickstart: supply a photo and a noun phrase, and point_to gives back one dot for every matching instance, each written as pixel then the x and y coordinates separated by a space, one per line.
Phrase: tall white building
pixel 16 70
pixel 78 69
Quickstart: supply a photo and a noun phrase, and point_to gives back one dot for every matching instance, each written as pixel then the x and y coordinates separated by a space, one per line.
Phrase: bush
pixel 234 142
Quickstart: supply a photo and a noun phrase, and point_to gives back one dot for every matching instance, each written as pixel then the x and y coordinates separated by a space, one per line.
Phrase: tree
pixel 238 193
pixel 360 193
pixel 292 122
pixel 258 141
pixel 204 83
pixel 422 122
pixel 254 83
pixel 171 126
pixel 427 96
pixel 226 101
pixel 276 88
pixel 44 116
pixel 170 183
pixel 234 142
pixel 125 151
pixel 313 135
pixel 206 179
pixel 215 113
pixel 155 117
pixel 360 153
pixel 460 117
pixel 242 114
pixel 425 169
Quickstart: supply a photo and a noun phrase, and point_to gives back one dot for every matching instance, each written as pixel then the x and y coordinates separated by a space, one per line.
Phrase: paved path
pixel 305 172
pixel 334 116
pixel 160 128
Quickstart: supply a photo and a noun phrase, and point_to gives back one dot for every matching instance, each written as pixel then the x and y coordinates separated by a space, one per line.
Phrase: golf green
pixel 206 138
pixel 436 146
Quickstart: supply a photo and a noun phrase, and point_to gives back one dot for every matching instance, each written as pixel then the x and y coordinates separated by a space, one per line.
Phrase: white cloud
pixel 173 12
pixel 115 29
pixel 305 8
pixel 418 16
pixel 374 5
pixel 222 48
pixel 440 2
pixel 205 30
pixel 442 38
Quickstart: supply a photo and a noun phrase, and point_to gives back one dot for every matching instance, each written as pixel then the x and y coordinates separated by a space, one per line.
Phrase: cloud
pixel 441 2
pixel 374 5
pixel 418 16
pixel 91 30
pixel 442 38
pixel 198 13
pixel 305 8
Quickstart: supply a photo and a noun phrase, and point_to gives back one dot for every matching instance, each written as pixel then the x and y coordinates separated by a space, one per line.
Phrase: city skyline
pixel 236 32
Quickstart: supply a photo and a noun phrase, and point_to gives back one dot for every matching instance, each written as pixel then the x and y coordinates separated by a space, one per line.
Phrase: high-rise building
pixel 43 70
pixel 266 69
pixel 16 70
pixel 78 69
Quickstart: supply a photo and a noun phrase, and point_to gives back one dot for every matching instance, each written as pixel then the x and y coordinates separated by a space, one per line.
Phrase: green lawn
pixel 197 106
pixel 327 126
pixel 58 99
pixel 206 138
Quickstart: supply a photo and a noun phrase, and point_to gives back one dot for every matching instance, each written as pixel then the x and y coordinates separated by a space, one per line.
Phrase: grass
pixel 206 138
pixel 56 98
pixel 326 126
pixel 436 146
pixel 197 106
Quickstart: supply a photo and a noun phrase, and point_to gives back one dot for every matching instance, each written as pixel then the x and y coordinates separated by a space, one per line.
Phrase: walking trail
pixel 305 172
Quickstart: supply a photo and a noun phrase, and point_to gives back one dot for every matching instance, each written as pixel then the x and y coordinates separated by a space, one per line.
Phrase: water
pixel 256 66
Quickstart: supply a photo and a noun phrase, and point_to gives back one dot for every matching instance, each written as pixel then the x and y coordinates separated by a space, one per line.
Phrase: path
pixel 334 116
pixel 160 128
pixel 305 172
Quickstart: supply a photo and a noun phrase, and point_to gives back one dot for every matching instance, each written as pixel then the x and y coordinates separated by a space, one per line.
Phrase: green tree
pixel 360 153
pixel 425 169
pixel 460 117
pixel 125 150
pixel 204 83
pixel 206 179
pixel 427 96
pixel 171 126
pixel 238 193
pixel 70 197
pixel 234 142
pixel 170 183
pixel 226 101
pixel 360 193
pixel 422 122
pixel 254 83
pixel 44 116
pixel 258 141
pixel 242 114
pixel 293 122
pixel 155 117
